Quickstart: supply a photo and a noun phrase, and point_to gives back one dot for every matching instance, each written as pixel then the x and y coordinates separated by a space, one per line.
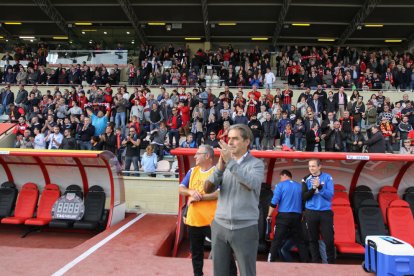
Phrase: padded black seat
pixel 8 196
pixel 94 209
pixel 370 220
pixel 74 189
pixel 409 197
pixel 360 194
pixel 64 223
pixel 362 188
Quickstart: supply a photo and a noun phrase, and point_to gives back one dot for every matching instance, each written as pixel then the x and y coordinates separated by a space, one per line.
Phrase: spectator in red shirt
pixel 20 127
pixel 82 99
pixel 286 98
pixel 185 116
pixel 254 92
pixel 411 136
pixel 174 123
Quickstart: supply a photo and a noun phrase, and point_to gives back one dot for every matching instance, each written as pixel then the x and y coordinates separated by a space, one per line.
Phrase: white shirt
pixel 270 78
pixel 39 141
pixel 242 158
pixel 58 138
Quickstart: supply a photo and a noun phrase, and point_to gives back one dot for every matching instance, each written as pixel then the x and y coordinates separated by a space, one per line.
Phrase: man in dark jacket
pixel 256 128
pixel 212 140
pixel 269 133
pixel 109 139
pixel 342 100
pixel 6 98
pixel 68 142
pixel 334 139
pixel 85 130
pixel 356 140
pixel 376 144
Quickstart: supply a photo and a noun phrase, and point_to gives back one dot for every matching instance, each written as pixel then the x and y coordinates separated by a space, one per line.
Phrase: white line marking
pixel 84 255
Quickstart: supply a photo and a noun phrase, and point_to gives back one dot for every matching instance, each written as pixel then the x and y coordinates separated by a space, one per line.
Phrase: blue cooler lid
pixel 391 246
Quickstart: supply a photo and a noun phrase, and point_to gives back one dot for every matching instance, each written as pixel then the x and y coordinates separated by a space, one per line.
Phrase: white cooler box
pixel 389 256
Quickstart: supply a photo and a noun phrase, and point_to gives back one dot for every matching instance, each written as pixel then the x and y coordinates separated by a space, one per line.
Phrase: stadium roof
pixel 339 22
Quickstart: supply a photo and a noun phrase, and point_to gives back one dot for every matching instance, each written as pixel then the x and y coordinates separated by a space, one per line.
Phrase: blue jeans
pixel 298 143
pixel 85 145
pixel 285 250
pixel 256 143
pixel 286 107
pixel 135 161
pixel 154 126
pixel 120 121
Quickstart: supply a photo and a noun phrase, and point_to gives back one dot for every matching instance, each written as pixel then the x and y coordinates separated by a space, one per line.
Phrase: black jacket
pixel 334 140
pixel 110 143
pixel 376 144
pixel 68 144
pixel 311 142
pixel 269 129
pixel 355 138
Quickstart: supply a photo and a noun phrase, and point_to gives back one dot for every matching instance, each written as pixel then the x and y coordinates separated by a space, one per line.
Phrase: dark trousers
pixel 176 134
pixel 320 222
pixel 244 242
pixel 197 236
pixel 288 224
pixel 198 136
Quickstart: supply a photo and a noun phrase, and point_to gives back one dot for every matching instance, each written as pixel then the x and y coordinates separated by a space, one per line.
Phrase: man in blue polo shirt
pixel 317 192
pixel 288 197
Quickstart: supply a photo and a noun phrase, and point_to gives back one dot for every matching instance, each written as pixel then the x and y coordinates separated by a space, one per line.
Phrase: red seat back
pixel 343 221
pixel 385 196
pixel 341 195
pixel 49 196
pixel 339 188
pixel 26 201
pixel 401 221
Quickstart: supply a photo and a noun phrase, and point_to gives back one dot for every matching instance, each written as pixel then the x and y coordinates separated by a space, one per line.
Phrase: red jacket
pixel 19 129
pixel 185 114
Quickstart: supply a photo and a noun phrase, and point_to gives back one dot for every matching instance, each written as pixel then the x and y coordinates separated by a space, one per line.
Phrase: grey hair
pixel 209 150
pixel 245 131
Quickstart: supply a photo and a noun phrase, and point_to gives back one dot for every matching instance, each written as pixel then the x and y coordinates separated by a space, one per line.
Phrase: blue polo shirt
pixel 288 196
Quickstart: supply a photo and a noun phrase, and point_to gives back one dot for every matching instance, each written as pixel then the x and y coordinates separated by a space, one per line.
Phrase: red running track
pixel 132 252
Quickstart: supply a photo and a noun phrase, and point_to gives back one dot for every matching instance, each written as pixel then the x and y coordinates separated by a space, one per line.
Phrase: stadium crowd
pixel 325 116
pixel 301 67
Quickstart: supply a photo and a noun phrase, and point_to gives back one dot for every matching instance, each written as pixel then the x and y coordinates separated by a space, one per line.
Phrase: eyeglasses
pixel 199 153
